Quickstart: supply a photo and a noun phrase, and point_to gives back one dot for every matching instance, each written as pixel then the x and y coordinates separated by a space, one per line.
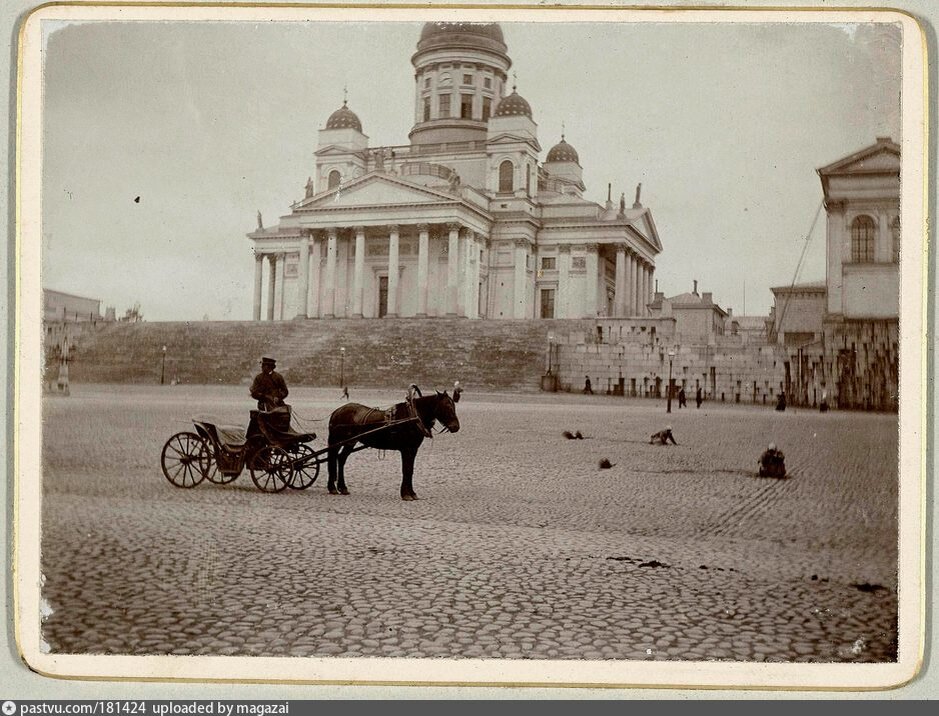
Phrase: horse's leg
pixel 331 463
pixel 407 473
pixel 341 460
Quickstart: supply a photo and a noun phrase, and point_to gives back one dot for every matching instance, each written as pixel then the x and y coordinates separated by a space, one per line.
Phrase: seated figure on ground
pixel 662 437
pixel 772 462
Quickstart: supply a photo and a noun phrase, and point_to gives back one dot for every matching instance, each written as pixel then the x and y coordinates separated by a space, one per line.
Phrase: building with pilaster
pixel 464 220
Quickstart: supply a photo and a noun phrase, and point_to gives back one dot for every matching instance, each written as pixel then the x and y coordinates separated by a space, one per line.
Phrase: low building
pixel 68 308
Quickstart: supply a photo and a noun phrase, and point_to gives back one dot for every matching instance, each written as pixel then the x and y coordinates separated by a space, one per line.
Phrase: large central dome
pixel 485 36
pixel 486 29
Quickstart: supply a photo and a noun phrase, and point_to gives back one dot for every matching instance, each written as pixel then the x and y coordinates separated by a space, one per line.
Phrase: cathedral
pixel 464 220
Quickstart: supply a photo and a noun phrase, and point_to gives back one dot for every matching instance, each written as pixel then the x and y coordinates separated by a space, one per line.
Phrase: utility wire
pixel 805 246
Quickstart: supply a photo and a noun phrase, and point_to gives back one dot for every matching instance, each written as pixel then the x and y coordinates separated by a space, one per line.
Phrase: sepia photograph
pixel 545 346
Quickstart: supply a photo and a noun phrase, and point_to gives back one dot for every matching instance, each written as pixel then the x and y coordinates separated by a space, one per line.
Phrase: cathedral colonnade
pixel 434 270
pixel 632 283
pixel 376 271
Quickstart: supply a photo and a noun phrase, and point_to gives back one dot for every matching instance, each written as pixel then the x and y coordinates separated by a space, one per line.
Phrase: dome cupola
pixel 344 118
pixel 512 106
pixel 434 32
pixel 563 152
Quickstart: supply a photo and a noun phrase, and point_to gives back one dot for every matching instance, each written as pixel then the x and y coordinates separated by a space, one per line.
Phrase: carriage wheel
pixel 271 469
pixel 185 459
pixel 304 474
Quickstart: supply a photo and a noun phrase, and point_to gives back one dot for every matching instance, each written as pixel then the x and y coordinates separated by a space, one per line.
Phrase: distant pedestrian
pixel 781 401
pixel 823 406
pixel 345 392
pixel 682 400
pixel 698 398
pixel 663 436
pixel 588 388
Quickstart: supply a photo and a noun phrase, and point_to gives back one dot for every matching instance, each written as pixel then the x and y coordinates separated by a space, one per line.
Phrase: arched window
pixel 528 181
pixel 895 229
pixel 506 176
pixel 862 239
pixel 334 178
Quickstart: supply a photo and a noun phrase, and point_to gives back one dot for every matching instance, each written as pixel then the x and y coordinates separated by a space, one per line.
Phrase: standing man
pixel 682 400
pixel 269 388
pixel 588 388
pixel 698 397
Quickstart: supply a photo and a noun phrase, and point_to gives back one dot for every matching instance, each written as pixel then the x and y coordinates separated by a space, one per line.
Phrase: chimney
pixel 730 313
pixel 706 297
pixel 609 197
pixel 695 290
pixel 884 140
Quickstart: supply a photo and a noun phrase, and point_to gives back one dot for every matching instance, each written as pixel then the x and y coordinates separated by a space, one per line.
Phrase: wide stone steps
pixel 491 355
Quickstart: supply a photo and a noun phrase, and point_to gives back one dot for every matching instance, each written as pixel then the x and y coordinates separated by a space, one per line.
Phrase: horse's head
pixel 446 412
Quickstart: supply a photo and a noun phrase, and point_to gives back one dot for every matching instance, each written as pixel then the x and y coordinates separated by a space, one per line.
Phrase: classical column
pixel 620 287
pixel 521 278
pixel 466 271
pixel 393 269
pixel 258 279
pixel 271 285
pixel 473 280
pixel 562 304
pixel 281 265
pixel 329 295
pixel 303 276
pixel 358 277
pixel 316 278
pixel 423 242
pixel 637 287
pixel 591 278
pixel 643 288
pixel 453 268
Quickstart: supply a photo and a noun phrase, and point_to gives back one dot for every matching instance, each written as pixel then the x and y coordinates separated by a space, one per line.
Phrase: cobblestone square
pixel 519 546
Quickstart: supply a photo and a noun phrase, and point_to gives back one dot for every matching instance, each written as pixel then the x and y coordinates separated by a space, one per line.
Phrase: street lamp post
pixel 163 367
pixel 342 366
pixel 668 402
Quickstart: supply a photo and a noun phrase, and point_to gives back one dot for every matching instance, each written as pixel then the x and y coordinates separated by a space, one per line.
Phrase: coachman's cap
pixel 268 361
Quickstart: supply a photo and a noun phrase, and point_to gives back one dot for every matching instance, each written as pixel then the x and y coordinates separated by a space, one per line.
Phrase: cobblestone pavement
pixel 520 547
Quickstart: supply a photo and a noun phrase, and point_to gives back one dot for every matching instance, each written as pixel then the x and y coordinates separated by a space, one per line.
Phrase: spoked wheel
pixel 185 459
pixel 271 469
pixel 306 472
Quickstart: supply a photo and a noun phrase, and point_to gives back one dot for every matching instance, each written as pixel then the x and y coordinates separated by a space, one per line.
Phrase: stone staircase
pixel 380 353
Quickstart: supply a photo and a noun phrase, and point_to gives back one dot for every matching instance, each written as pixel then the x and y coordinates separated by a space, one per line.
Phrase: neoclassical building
pixel 843 335
pixel 464 220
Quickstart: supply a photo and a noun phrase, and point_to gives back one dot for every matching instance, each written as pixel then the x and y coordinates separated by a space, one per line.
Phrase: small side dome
pixel 513 105
pixel 344 118
pixel 563 152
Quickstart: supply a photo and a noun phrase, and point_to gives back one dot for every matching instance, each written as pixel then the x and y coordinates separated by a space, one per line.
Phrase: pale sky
pixel 724 125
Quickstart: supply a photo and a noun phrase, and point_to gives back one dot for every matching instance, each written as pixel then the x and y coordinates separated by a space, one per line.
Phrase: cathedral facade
pixel 464 220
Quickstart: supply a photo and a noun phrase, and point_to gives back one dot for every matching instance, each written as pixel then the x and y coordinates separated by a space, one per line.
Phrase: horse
pixel 408 423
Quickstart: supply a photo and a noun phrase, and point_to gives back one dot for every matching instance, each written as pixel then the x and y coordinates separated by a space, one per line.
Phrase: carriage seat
pixel 229 436
pixel 276 427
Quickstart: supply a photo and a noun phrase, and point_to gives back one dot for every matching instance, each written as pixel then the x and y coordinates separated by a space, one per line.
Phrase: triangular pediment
pixel 509 138
pixel 334 150
pixel 375 190
pixel 881 157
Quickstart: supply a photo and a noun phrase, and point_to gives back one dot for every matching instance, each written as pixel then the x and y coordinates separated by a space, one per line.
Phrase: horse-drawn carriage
pixel 269 448
pixel 277 457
